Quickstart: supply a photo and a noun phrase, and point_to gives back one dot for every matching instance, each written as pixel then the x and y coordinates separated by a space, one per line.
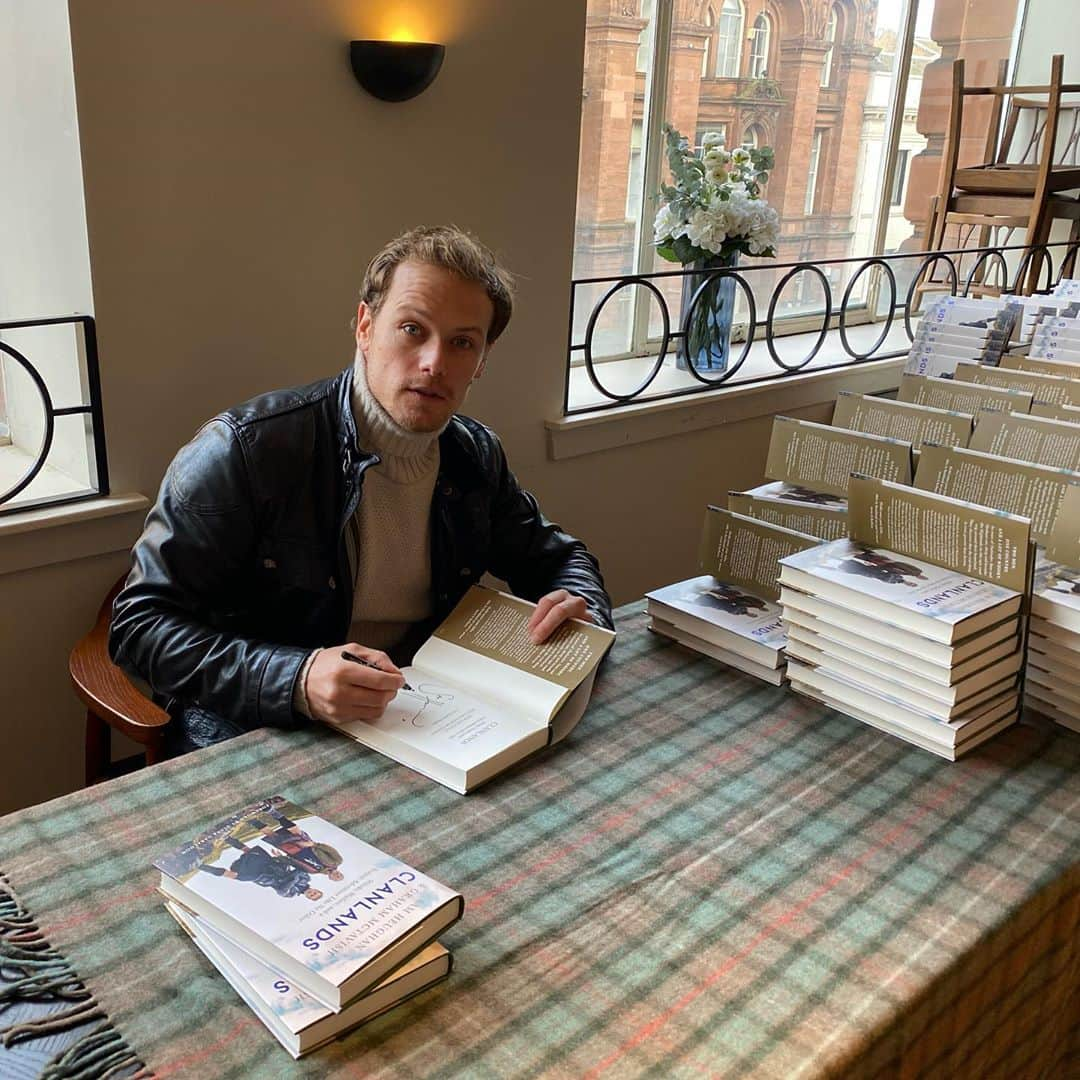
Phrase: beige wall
pixel 237 179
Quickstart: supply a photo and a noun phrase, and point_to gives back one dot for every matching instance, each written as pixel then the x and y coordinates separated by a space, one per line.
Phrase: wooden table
pixel 709 877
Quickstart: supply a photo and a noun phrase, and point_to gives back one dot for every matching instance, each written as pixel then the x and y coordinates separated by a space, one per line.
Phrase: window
pixel 644 52
pixel 704 129
pixel 637 173
pixel 710 23
pixel 729 39
pixel 759 46
pixel 622 163
pixel 899 178
pixel 830 38
pixel 812 173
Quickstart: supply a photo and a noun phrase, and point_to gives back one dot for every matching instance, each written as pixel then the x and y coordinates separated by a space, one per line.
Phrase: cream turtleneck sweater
pixel 390 545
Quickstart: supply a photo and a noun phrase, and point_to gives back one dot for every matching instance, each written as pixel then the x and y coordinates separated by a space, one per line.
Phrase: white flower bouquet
pixel 715 208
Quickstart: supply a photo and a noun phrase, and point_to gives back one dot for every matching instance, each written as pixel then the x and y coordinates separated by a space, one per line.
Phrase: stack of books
pixel 912 624
pixel 1052 686
pixel 955 328
pixel 730 612
pixel 316 930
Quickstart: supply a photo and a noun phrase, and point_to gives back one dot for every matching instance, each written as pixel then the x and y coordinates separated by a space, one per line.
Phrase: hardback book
pixel 1052 707
pixel 1039 440
pixel 1055 600
pixel 1015 362
pixel 329 912
pixel 765 672
pixel 949 739
pixel 1060 647
pixel 733 603
pixel 1056 411
pixel 856 622
pixel 821 457
pixel 901 420
pixel 910 658
pixel 480 696
pixel 742 624
pixel 827 522
pixel 1016 487
pixel 298 1021
pixel 942 604
pixel 1055 352
pixel 899 678
pixel 1047 681
pixel 961 396
pixel 898 685
pixel 1043 387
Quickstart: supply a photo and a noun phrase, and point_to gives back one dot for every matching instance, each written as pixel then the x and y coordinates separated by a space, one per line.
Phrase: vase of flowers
pixel 709 216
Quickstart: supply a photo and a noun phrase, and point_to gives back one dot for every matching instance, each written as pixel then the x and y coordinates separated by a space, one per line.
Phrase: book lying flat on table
pixel 332 914
pixel 732 605
pixel 298 1021
pixel 482 696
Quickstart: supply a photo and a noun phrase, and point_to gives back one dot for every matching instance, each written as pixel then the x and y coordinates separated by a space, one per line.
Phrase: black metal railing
pixel 1035 270
pixel 97 462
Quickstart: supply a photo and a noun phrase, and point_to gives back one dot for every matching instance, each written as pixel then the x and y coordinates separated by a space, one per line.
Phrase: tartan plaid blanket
pixel 709 876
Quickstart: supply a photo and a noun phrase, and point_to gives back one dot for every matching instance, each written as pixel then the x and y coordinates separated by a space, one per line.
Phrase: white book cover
pixel 324 908
pixel 728 607
pixel 778 489
pixel 296 1019
pixel 900 581
pixel 1056 594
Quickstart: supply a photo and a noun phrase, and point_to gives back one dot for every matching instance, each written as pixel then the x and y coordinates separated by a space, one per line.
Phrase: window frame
pixel 757 63
pixel 656 88
pixel 832 29
pixel 723 51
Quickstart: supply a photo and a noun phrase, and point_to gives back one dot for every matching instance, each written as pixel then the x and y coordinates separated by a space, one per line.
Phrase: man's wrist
pixel 300 700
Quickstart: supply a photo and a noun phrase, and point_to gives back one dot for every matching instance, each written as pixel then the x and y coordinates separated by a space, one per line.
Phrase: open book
pixel 481 696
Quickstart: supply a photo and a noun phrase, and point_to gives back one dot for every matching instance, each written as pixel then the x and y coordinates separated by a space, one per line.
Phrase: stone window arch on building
pixel 754 136
pixel 831 29
pixel 729 39
pixel 760 39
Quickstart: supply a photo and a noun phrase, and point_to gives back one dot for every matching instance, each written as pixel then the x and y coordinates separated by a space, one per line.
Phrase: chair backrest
pixel 1023 139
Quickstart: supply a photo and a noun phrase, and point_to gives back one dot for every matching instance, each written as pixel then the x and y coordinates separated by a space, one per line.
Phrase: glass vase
pixel 708 336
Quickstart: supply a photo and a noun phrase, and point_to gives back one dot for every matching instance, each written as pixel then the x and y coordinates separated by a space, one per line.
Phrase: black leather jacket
pixel 242 568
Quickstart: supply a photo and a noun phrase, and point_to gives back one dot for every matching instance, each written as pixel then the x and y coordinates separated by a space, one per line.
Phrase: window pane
pixel 830 186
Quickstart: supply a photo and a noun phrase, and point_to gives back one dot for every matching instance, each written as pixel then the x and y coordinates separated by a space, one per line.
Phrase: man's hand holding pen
pixel 351 683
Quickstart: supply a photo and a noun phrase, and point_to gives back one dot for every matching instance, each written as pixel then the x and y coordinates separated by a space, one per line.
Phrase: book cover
pixel 1039 440
pixel 324 908
pixel 899 581
pixel 1013 362
pixel 915 424
pixel 726 606
pixel 1056 411
pixel 778 491
pixel 742 552
pixel 297 1020
pixel 961 396
pixel 1043 387
pixel 1016 487
pixel 821 458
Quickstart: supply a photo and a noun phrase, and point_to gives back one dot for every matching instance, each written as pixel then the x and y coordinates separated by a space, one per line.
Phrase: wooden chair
pixel 112 700
pixel 1013 192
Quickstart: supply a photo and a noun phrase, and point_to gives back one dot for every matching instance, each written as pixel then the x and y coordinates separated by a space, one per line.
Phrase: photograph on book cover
pixel 305 885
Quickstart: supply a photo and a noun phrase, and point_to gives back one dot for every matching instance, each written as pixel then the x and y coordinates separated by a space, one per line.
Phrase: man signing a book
pixel 346 516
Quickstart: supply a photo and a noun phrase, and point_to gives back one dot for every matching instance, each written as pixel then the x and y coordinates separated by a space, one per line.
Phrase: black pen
pixel 346 655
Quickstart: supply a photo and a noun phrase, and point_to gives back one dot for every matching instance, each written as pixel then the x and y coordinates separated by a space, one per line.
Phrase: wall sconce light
pixel 395 70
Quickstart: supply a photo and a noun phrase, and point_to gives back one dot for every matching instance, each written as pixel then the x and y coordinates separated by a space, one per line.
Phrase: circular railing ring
pixel 1046 260
pixel 842 325
pixel 824 324
pixel 930 260
pixel 50 422
pixel 992 253
pixel 684 326
pixel 591 326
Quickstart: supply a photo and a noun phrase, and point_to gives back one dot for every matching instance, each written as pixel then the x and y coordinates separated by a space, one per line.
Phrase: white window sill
pixel 589 433
pixel 54 534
